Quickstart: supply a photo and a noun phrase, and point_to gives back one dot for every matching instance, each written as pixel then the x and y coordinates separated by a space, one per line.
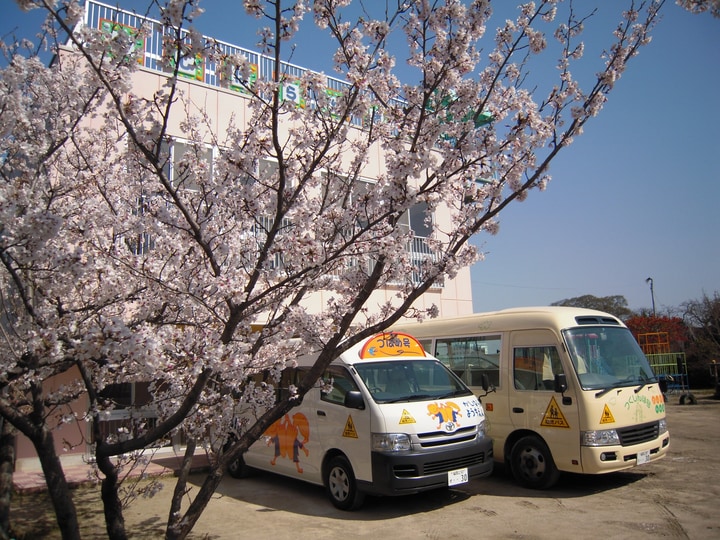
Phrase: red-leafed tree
pixel 674 327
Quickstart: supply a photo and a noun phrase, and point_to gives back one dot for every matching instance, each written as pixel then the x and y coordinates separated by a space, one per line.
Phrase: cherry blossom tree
pixel 701 6
pixel 113 272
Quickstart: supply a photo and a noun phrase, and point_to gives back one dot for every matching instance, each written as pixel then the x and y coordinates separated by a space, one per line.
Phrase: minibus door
pixel 534 403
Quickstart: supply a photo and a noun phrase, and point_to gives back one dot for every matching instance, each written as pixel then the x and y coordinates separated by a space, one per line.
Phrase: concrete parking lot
pixel 678 497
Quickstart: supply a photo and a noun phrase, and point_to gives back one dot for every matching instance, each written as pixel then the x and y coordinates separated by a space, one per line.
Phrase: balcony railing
pixel 208 68
pixel 418 248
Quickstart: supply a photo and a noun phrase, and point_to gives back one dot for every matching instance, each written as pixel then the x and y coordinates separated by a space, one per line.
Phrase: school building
pixel 205 82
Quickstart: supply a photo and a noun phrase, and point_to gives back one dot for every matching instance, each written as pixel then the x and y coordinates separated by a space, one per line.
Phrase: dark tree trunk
pixel 181 528
pixel 57 485
pixel 7 466
pixel 114 520
pixel 181 487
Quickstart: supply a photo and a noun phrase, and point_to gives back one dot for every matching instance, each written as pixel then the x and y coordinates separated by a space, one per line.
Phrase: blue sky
pixel 636 196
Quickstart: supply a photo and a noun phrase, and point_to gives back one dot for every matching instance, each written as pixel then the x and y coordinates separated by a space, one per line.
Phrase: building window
pixel 186 162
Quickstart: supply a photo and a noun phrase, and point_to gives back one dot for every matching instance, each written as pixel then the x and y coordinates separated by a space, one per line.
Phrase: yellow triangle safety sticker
pixel 553 416
pixel 406 417
pixel 607 417
pixel 349 430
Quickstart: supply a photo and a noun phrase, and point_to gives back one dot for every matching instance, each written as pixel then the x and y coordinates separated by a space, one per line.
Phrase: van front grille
pixel 638 434
pixel 441 466
pixel 440 438
pixel 452 464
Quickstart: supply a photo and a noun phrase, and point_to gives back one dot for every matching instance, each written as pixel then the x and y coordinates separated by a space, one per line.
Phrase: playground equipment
pixel 671 366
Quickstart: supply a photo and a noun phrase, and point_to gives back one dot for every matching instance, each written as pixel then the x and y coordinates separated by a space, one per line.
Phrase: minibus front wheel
pixel 341 484
pixel 532 463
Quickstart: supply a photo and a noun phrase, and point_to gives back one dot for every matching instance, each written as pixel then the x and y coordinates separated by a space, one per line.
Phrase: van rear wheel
pixel 237 468
pixel 341 485
pixel 532 463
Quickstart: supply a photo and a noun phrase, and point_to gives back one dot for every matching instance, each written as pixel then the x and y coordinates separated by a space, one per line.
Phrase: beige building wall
pixel 221 105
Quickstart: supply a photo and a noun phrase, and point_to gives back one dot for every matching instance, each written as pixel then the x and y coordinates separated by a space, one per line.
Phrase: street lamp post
pixel 652 293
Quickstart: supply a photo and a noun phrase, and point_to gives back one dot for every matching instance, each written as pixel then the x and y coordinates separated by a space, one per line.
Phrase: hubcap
pixel 532 463
pixel 339 484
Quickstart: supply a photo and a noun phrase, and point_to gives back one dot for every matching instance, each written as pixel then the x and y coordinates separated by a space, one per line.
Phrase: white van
pixel 396 421
pixel 573 391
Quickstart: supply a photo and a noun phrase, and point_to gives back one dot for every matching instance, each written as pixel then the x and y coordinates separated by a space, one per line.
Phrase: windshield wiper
pixel 453 393
pixel 400 399
pixel 620 384
pixel 605 390
pixel 644 383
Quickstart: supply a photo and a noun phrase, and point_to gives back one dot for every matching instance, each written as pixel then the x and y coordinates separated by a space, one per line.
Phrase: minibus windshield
pixel 410 380
pixel 607 357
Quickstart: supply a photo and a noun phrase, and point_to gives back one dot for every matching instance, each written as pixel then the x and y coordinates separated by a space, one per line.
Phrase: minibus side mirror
pixel 354 400
pixel 663 383
pixel 560 383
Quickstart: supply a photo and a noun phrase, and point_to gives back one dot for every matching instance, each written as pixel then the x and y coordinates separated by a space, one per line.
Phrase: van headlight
pixel 390 442
pixel 662 426
pixel 600 437
pixel 481 429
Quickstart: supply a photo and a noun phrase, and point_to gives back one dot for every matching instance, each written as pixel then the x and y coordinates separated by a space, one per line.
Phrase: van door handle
pixel 518 410
pixel 321 413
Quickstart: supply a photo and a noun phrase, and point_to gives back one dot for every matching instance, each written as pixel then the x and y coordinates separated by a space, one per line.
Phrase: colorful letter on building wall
pixel 113 29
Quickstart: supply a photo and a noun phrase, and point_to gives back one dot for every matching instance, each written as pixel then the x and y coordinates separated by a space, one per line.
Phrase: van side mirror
pixel 663 383
pixel 486 386
pixel 354 400
pixel 560 383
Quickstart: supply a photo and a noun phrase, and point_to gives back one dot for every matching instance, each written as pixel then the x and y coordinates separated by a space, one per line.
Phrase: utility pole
pixel 652 293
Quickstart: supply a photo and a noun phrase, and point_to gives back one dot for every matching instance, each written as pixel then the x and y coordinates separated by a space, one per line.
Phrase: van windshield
pixel 607 357
pixel 410 380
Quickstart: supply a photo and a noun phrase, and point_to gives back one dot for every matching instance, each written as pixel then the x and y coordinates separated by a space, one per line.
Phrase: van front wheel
pixel 532 463
pixel 341 485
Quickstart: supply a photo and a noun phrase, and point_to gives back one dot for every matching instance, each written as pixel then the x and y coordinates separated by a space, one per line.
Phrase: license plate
pixel 643 457
pixel 459 476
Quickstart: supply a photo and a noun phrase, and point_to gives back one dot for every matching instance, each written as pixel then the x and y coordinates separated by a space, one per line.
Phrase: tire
pixel 690 399
pixel 238 468
pixel 532 464
pixel 341 485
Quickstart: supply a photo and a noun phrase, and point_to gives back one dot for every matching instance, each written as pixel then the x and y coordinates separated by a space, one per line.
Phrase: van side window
pixel 534 368
pixel 471 358
pixel 288 377
pixel 342 384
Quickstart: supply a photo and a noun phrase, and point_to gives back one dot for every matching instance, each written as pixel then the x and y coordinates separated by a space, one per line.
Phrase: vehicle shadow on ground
pixel 273 492
pixel 502 484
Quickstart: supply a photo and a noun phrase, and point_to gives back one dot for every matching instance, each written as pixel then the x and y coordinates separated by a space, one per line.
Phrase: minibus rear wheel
pixel 532 463
pixel 341 485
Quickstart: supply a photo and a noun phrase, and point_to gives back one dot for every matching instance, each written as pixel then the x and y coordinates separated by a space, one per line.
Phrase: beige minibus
pixel 569 389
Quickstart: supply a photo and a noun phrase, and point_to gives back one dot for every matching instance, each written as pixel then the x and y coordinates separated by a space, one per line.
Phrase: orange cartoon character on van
pixel 446 413
pixel 289 435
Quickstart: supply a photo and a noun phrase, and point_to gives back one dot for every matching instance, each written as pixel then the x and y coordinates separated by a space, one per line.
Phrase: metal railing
pixel 418 249
pixel 146 37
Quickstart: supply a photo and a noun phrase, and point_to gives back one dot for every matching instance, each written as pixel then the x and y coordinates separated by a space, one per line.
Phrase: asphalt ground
pixel 677 497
